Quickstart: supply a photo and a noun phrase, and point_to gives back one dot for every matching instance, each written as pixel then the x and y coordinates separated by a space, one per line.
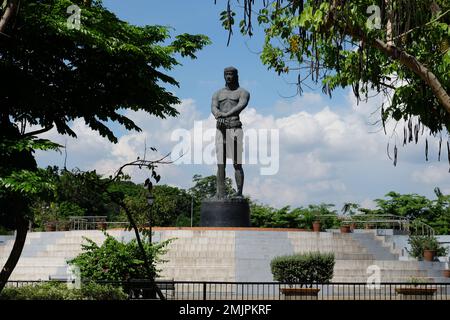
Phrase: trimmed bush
pixel 60 291
pixel 313 267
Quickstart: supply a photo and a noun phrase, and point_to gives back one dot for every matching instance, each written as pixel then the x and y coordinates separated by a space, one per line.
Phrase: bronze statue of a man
pixel 227 104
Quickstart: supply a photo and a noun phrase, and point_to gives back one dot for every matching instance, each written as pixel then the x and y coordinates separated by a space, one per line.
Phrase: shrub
pixel 313 267
pixel 44 291
pixel 117 261
pixel 95 291
pixel 5 232
pixel 60 291
pixel 420 243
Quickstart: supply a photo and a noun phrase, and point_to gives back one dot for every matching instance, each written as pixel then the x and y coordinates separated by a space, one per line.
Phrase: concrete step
pixel 352 256
pixel 374 246
pixel 389 264
pixel 343 243
pixel 387 240
pixel 40 269
pixel 199 274
pixel 335 249
pixel 390 273
pixel 335 244
pixel 198 241
pixel 29 277
pixel 61 253
pixel 50 247
pixel 77 241
pixel 167 234
pixel 199 254
pixel 394 279
pixel 50 261
pixel 199 269
pixel 201 247
pixel 192 261
pixel 221 255
pixel 59 247
pixel 324 235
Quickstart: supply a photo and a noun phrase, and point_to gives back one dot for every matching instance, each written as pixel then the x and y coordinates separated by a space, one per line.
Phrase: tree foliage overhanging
pixel 338 43
pixel 53 74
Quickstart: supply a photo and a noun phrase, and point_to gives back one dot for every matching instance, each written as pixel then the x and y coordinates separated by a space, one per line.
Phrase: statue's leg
pixel 237 162
pixel 221 163
pixel 239 176
pixel 220 181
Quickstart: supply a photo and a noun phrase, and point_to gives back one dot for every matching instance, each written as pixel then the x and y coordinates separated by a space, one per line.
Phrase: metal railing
pixel 92 223
pixel 87 222
pixel 284 291
pixel 380 220
pixel 201 290
pixel 385 221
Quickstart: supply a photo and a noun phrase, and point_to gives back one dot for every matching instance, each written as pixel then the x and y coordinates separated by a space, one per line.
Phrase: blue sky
pixel 199 78
pixel 329 152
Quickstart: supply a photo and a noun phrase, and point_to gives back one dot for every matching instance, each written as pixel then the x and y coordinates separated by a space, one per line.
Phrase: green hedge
pixel 313 267
pixel 60 291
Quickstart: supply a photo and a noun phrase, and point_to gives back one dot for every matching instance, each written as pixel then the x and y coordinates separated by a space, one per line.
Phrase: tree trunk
pixel 418 68
pixel 10 11
pixel 389 27
pixel 406 59
pixel 141 247
pixel 19 243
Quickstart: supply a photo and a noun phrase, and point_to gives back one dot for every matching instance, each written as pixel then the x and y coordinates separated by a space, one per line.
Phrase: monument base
pixel 232 212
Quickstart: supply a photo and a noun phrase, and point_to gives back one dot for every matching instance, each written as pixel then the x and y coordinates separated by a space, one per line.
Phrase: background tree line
pixel 173 206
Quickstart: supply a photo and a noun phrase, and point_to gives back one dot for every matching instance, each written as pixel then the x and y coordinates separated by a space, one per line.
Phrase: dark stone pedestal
pixel 233 212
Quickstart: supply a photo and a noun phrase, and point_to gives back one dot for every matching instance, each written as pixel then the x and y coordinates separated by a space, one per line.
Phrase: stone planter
pixel 63 226
pixel 50 226
pixel 101 225
pixel 316 226
pixel 428 255
pixel 300 293
pixel 414 293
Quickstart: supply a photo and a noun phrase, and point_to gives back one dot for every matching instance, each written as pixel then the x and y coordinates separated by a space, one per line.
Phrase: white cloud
pixel 431 174
pixel 304 167
pixel 273 191
pixel 326 185
pixel 368 203
pixel 327 154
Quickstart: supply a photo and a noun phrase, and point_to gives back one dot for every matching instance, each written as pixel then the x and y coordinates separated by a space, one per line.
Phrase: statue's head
pixel 231 77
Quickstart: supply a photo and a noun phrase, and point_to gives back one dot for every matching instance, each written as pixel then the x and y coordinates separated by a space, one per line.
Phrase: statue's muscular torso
pixel 226 99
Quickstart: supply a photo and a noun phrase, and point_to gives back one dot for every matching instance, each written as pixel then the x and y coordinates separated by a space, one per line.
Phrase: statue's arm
pixel 215 105
pixel 243 102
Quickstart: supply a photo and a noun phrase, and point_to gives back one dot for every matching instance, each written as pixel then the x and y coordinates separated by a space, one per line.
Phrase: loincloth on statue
pixel 228 123
pixel 229 141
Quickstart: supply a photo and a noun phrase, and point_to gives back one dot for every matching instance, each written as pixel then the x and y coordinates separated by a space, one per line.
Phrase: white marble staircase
pixel 227 255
